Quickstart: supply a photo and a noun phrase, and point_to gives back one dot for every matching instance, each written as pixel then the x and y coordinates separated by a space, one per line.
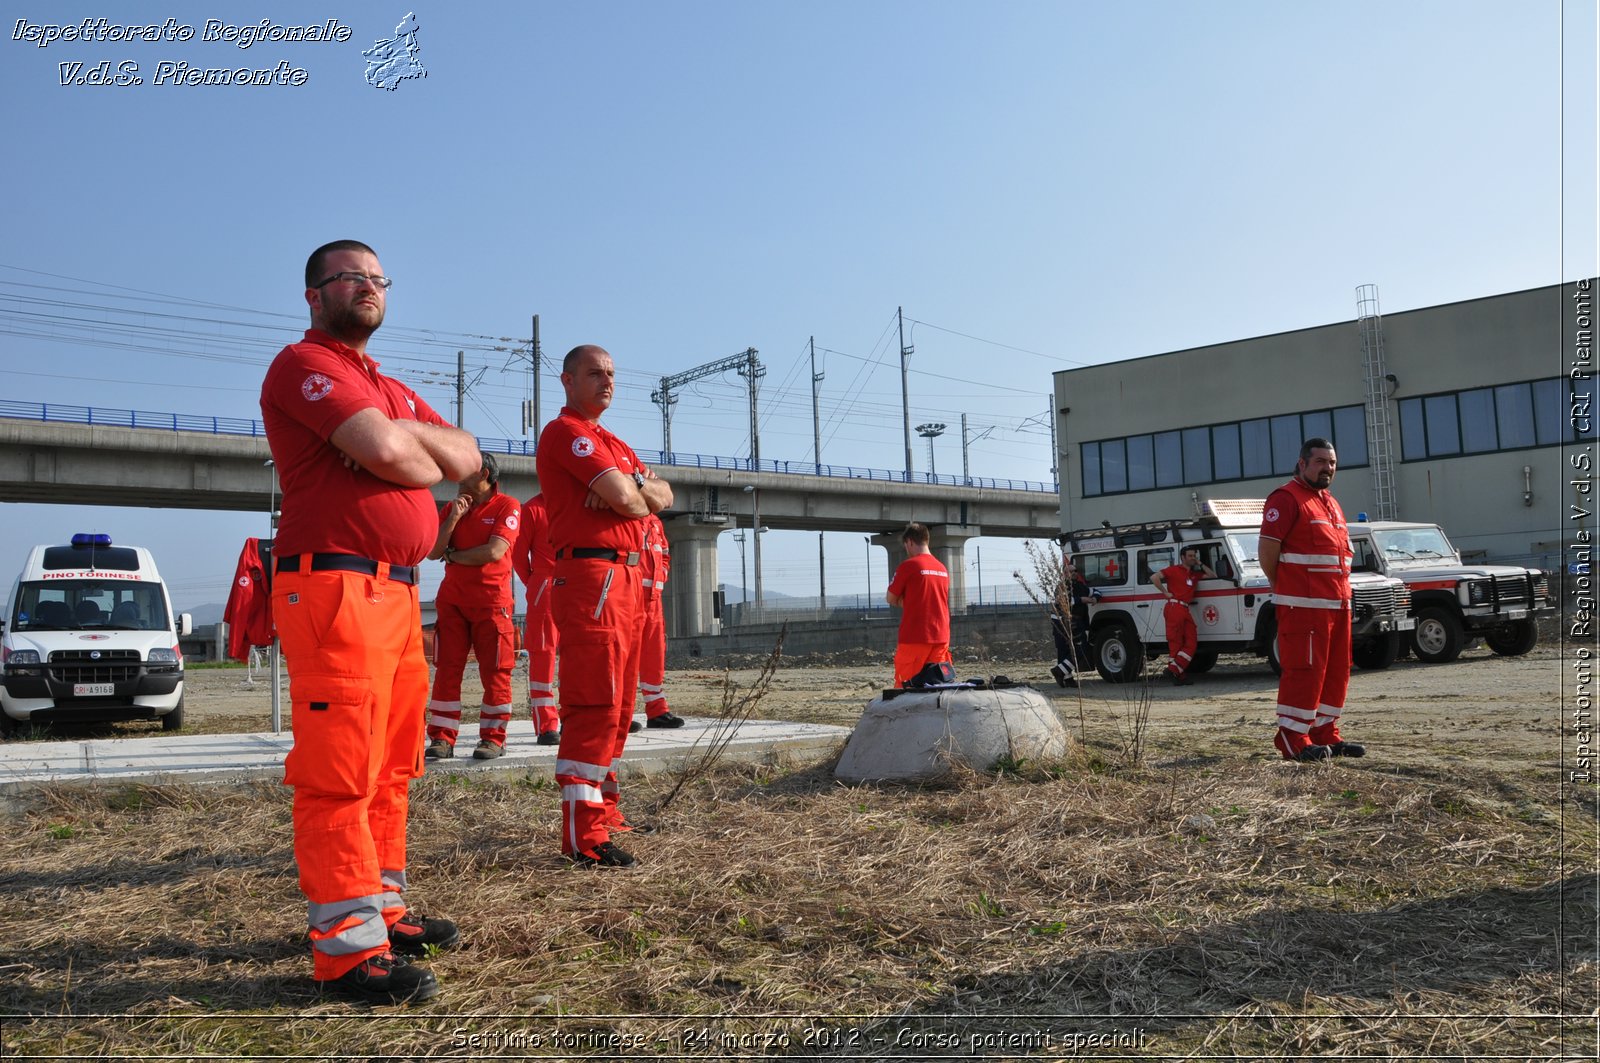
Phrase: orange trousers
pixel 358 682
pixel 911 657
pixel 540 640
pixel 596 607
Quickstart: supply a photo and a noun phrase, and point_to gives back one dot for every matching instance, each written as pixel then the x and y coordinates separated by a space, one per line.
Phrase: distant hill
pixel 210 613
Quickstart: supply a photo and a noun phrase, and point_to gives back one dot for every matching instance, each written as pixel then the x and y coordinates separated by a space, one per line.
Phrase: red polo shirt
pixel 924 585
pixel 496 517
pixel 573 453
pixel 311 388
pixel 531 556
pixel 1181 582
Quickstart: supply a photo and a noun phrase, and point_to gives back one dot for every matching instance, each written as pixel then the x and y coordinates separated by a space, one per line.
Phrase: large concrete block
pixel 915 736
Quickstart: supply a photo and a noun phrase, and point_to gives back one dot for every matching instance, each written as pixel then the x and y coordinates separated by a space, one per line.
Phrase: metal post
pixel 822 575
pixel 1055 456
pixel 966 471
pixel 905 388
pixel 461 386
pixel 538 360
pixel 816 420
pixel 930 432
pixel 868 540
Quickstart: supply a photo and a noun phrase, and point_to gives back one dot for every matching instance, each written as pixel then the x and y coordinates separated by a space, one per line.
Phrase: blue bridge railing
pixel 242 426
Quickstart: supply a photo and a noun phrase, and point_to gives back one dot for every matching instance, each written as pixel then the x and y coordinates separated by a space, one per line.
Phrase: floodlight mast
pixel 747 366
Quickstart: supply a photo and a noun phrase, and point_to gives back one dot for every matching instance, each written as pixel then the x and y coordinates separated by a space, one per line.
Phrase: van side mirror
pixel 185 624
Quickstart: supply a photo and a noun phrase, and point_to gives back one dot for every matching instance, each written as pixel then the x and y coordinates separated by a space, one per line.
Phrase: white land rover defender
pixel 88 635
pixel 1453 602
pixel 1233 613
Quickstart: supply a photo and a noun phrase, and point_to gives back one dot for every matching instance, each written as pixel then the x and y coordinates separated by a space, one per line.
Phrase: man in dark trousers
pixel 356 453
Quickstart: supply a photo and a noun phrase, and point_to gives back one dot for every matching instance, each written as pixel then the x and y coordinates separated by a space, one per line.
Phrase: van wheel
pixel 1374 654
pixel 1204 661
pixel 1437 638
pixel 1269 641
pixel 174 719
pixel 1118 653
pixel 1512 639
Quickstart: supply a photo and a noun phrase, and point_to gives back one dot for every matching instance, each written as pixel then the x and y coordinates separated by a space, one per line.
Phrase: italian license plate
pixel 93 690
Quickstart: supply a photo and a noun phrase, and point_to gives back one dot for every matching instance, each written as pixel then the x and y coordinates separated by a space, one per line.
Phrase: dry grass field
pixel 1165 891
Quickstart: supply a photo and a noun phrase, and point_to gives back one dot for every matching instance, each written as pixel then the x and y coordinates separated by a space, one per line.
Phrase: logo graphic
pixel 1272 515
pixel 315 387
pixel 244 581
pixel 393 61
pixel 95 654
pixel 1209 614
pixel 511 522
pixel 583 446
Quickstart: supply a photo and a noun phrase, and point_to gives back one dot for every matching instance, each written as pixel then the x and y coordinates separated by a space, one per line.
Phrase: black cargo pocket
pixel 333 740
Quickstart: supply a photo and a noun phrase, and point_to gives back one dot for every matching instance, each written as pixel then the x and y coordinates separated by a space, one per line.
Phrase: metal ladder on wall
pixel 1380 433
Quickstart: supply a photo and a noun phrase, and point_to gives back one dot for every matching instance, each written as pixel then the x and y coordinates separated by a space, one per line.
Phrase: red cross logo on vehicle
pixel 1209 613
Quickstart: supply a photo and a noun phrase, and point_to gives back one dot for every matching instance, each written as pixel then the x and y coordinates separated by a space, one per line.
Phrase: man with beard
pixel 1305 552
pixel 597 494
pixel 356 453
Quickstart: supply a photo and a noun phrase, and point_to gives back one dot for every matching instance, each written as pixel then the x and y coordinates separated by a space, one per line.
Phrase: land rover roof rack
pixel 1216 513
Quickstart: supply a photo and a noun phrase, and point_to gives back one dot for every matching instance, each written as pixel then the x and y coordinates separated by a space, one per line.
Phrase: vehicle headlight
pixel 159 656
pixel 1478 592
pixel 23 657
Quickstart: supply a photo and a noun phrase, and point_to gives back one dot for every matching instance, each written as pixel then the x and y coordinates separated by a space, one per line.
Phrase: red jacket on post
pixel 249 611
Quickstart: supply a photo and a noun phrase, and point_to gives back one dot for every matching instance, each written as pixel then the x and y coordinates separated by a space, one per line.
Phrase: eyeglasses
pixel 357 278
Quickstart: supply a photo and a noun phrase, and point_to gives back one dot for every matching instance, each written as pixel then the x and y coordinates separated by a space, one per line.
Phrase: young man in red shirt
pixel 356 453
pixel 1179 584
pixel 597 493
pixel 473 611
pixel 921 588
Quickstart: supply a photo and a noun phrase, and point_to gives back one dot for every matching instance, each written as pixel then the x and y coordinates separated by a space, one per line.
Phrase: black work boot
pixel 384 979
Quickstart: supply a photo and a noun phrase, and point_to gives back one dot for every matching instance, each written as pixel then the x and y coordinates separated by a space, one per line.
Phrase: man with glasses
pixel 356 453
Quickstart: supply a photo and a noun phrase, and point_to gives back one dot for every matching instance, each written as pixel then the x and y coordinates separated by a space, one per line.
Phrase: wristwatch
pixel 638 478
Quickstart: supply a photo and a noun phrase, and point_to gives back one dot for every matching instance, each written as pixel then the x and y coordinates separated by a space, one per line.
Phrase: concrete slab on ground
pixel 213 758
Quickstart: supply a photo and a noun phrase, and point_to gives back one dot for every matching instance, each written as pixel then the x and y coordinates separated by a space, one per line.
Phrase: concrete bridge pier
pixel 692 583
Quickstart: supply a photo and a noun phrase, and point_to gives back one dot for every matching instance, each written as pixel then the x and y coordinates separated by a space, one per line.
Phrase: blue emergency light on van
pixel 87 540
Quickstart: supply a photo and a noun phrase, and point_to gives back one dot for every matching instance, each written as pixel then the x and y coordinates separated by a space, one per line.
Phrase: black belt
pixel 599 553
pixel 347 563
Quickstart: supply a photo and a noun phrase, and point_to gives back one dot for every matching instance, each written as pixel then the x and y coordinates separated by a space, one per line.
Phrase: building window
pixel 1513 415
pixel 1141 463
pixel 1350 435
pixel 1535 413
pixel 1442 430
pixel 1478 433
pixel 1091 470
pixel 1286 440
pixel 1169 459
pixel 1114 465
pixel 1257 443
pixel 1219 453
pixel 1197 455
pixel 1225 448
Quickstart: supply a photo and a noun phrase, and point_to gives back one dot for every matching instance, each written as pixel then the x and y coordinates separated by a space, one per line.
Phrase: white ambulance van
pixel 89 636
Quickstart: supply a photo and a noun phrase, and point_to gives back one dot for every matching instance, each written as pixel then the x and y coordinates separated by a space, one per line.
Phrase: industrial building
pixel 1468 414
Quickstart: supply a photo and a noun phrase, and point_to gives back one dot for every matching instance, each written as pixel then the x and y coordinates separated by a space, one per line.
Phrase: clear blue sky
pixel 1040 185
